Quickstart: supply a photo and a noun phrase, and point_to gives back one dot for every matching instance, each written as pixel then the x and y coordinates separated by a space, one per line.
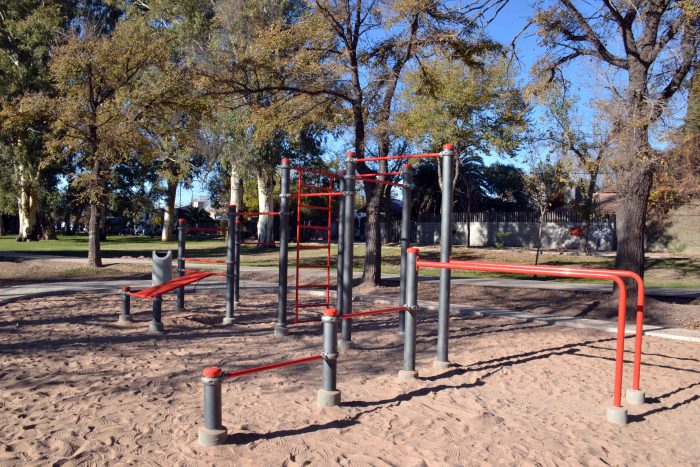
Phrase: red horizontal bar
pixel 312 266
pixel 258 369
pixel 158 290
pixel 379 174
pixel 313 286
pixel 259 243
pixel 306 195
pixel 315 227
pixel 319 208
pixel 204 260
pixel 219 274
pixel 206 229
pixel 313 247
pixel 304 321
pixel 373 312
pixel 382 182
pixel 409 156
pixel 313 171
pixel 268 213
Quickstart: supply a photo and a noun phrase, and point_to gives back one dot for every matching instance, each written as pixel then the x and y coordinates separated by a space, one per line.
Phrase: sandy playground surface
pixel 76 388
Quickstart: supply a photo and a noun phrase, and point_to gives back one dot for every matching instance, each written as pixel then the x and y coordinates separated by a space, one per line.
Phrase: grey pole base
pixel 344 345
pixel 635 396
pixel 155 328
pixel 400 333
pixel 125 319
pixel 327 398
pixel 209 437
pixel 228 321
pixel 180 308
pixel 617 415
pixel 440 365
pixel 408 374
pixel 236 303
pixel 281 331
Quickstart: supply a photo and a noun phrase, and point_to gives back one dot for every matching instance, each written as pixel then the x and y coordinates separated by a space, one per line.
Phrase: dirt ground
pixel 76 388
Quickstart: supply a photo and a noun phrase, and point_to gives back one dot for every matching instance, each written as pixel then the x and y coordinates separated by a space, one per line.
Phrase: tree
pixel 102 96
pixel 544 186
pixel 657 42
pixel 339 64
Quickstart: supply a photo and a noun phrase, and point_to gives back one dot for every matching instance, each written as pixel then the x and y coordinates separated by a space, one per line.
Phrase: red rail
pixel 382 311
pixel 639 323
pixel 509 269
pixel 269 213
pixel 408 156
pixel 306 195
pixel 318 208
pixel 258 369
pixel 158 290
pixel 260 243
pixel 379 174
pixel 218 274
pixel 204 260
pixel 313 227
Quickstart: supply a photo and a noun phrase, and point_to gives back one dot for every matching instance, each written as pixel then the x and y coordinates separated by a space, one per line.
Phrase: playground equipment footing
pixel 281 331
pixel 440 365
pixel 208 437
pixel 408 374
pixel 617 415
pixel 635 396
pixel 327 398
pixel 344 345
pixel 155 328
pixel 228 321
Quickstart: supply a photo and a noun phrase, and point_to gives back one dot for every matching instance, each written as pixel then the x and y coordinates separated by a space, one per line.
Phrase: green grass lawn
pixel 682 272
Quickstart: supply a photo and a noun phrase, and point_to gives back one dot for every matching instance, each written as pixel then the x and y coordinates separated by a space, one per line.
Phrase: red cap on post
pixel 350 154
pixel 232 206
pixel 407 166
pixel 285 160
pixel 330 312
pixel 412 250
pixel 450 147
pixel 212 372
pixel 181 220
pixel 126 288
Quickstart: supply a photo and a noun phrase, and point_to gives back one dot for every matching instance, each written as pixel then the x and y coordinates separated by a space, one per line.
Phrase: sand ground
pixel 76 388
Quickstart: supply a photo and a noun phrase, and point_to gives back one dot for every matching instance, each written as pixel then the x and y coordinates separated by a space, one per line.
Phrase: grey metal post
pixel 237 254
pixel 339 261
pixel 213 433
pixel 328 395
pixel 405 239
pixel 448 154
pixel 281 326
pixel 230 265
pixel 409 339
pixel 181 237
pixel 125 314
pixel 348 247
pixel 156 326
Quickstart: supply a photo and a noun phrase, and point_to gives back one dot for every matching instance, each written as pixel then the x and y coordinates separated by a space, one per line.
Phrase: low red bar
pixel 258 369
pixel 314 227
pixel 158 290
pixel 308 195
pixel 313 266
pixel 409 156
pixel 313 286
pixel 260 243
pixel 313 247
pixel 258 213
pixel 373 312
pixel 204 260
pixel 317 172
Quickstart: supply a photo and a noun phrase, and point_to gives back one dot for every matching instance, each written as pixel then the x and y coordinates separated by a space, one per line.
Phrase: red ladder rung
pixel 313 286
pixel 313 266
pixel 314 227
pixel 318 208
pixel 313 247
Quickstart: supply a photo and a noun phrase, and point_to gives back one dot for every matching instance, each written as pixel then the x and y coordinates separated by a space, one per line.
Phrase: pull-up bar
pixel 307 195
pixel 269 213
pixel 378 174
pixel 407 156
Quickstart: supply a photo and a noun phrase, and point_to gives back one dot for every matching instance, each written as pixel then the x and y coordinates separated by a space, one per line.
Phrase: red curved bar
pixel 382 311
pixel 639 322
pixel 258 369
pixel 409 156
pixel 509 269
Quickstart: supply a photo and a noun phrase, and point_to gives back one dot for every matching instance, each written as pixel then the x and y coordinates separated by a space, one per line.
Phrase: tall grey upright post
pixel 281 326
pixel 230 264
pixel 405 239
pixel 348 247
pixel 442 359
pixel 339 262
pixel 181 236
pixel 328 395
pixel 409 338
pixel 125 314
pixel 237 254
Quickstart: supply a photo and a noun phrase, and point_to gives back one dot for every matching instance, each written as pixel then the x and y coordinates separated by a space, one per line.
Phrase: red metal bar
pixel 258 369
pixel 312 286
pixel 382 182
pixel 296 276
pixel 409 156
pixel 205 229
pixel 509 269
pixel 328 249
pixel 270 213
pixel 312 266
pixel 158 290
pixel 382 311
pixel 639 323
pixel 307 195
pixel 259 243
pixel 205 260
pixel 313 171
pixel 311 247
pixel 318 208
pixel 378 174
pixel 314 227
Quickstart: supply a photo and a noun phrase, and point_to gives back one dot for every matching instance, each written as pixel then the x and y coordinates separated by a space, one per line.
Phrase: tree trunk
pixel 169 214
pixel 236 183
pixel 2 225
pixel 27 208
pixel 266 187
pixel 94 230
pixel 103 219
pixel 588 213
pixel 539 240
pixel 372 273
